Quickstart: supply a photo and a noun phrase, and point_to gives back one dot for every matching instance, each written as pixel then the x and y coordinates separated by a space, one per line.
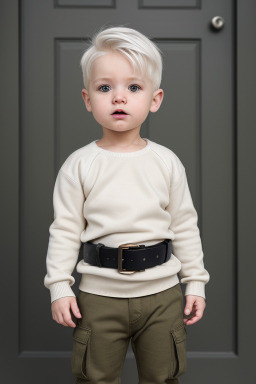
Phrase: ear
pixel 87 101
pixel 156 100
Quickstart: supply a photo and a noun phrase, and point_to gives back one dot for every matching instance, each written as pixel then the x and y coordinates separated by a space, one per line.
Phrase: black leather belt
pixel 127 258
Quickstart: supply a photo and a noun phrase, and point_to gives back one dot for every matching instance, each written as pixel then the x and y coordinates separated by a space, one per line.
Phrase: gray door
pixel 197 120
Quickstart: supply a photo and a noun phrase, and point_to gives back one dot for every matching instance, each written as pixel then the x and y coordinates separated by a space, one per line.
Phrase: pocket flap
pixel 179 333
pixel 81 334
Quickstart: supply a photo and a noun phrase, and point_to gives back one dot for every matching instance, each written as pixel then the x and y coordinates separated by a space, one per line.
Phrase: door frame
pixel 244 161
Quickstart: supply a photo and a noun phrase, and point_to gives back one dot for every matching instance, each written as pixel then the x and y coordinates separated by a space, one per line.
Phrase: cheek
pixel 142 107
pixel 143 101
pixel 98 105
pixel 99 111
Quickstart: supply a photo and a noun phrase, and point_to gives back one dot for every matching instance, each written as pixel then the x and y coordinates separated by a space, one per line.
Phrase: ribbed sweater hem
pixel 97 285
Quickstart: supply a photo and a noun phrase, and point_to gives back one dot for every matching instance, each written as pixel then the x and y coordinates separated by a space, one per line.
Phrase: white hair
pixel 144 55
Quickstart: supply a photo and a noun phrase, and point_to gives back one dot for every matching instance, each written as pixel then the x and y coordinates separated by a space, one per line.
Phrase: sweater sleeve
pixel 64 241
pixel 187 246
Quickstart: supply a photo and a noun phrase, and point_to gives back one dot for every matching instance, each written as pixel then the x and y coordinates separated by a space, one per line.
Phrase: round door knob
pixel 217 22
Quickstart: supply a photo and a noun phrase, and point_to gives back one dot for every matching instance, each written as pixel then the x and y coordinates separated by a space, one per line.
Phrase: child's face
pixel 114 85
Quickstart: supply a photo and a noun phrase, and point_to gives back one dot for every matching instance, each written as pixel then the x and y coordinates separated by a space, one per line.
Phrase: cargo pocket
pixel 81 337
pixel 178 348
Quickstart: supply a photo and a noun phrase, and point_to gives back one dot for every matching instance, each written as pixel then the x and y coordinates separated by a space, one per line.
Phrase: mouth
pixel 119 112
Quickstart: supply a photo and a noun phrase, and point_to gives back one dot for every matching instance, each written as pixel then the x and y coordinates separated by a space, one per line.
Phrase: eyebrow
pixel 109 79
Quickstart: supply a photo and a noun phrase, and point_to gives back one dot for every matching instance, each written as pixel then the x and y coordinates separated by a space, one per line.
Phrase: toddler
pixel 125 200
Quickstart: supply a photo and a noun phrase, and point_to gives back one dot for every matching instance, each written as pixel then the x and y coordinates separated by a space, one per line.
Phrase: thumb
pixel 75 309
pixel 188 307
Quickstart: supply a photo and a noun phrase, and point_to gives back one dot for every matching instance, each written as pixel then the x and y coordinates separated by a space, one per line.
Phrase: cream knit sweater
pixel 116 198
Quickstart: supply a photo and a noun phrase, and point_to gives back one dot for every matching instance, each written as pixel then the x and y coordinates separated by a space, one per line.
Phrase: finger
pixel 189 304
pixel 197 316
pixel 185 321
pixel 189 317
pixel 64 323
pixel 61 320
pixel 188 308
pixel 193 320
pixel 75 309
pixel 68 319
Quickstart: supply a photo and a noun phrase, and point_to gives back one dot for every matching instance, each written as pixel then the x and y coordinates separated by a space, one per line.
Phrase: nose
pixel 119 98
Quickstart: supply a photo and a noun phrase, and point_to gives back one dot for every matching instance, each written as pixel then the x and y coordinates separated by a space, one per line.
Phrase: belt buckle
pixel 120 258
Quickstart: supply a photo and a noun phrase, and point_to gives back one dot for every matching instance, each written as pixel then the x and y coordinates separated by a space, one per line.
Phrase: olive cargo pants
pixel 154 323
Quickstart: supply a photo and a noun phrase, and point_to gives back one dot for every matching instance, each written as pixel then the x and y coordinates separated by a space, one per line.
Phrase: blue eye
pixel 134 87
pixel 104 88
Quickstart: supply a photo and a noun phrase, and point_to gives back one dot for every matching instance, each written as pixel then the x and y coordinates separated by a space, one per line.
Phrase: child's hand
pixel 195 306
pixel 61 311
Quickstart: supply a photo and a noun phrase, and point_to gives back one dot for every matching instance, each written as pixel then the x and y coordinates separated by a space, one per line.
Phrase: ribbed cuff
pixel 196 288
pixel 60 289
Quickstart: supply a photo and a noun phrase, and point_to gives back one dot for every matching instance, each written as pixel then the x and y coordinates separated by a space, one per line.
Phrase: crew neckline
pixel 123 154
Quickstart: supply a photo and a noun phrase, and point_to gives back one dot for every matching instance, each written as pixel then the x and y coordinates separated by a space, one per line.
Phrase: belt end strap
pixel 98 246
pixel 168 243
